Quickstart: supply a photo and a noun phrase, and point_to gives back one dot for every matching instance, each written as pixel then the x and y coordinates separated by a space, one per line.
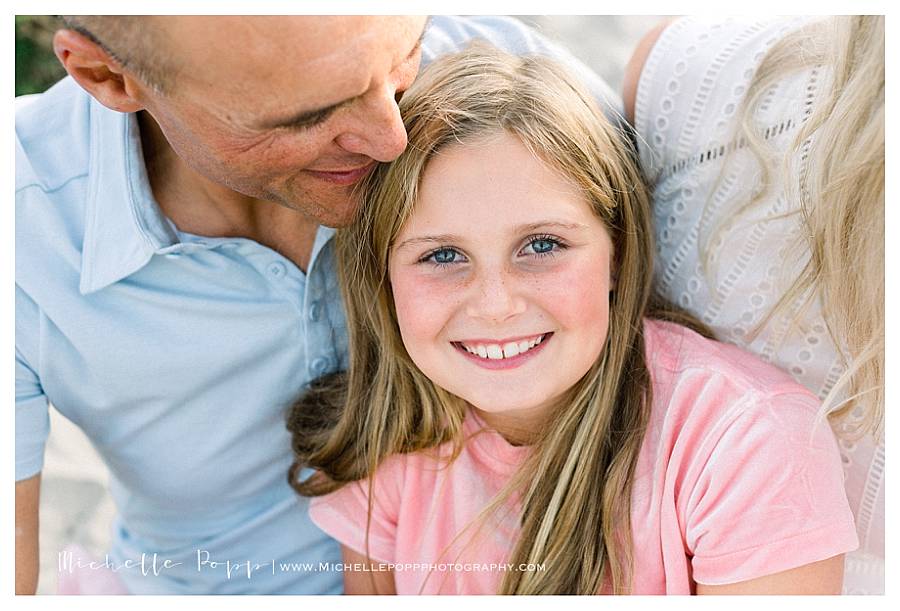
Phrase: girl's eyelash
pixel 558 243
pixel 429 256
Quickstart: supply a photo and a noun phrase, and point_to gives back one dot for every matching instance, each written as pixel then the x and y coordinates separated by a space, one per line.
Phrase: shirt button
pixel 277 269
pixel 315 311
pixel 319 366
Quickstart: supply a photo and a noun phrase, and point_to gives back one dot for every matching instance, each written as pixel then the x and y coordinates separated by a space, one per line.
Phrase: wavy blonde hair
pixel 834 173
pixel 575 487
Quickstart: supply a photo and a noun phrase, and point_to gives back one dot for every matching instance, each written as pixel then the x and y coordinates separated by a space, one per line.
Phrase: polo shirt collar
pixel 124 226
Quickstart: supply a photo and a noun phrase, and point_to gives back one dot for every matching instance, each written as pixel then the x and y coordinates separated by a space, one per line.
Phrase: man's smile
pixel 344 176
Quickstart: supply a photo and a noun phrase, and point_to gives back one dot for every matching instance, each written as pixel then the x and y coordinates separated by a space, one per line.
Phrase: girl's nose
pixel 496 297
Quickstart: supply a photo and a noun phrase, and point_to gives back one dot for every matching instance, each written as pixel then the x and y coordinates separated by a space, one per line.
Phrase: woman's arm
pixel 636 66
pixel 371 581
pixel 823 577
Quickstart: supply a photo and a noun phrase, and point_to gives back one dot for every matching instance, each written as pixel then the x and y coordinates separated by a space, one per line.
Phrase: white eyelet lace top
pixel 688 99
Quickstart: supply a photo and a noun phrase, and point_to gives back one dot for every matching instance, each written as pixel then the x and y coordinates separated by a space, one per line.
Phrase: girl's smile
pixel 504 354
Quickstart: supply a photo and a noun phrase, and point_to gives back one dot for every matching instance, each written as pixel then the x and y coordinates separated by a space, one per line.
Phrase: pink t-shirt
pixel 736 479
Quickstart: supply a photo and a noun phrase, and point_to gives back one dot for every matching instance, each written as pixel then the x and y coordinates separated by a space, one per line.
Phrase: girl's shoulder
pixel 702 383
pixel 742 454
pixel 674 351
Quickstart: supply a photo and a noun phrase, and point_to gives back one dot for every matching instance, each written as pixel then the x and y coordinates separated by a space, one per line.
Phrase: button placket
pixel 315 311
pixel 321 295
pixel 317 328
pixel 277 269
pixel 319 366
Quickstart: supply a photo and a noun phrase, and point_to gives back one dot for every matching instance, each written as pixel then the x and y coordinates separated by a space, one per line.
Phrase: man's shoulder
pixel 53 160
pixel 451 33
pixel 52 137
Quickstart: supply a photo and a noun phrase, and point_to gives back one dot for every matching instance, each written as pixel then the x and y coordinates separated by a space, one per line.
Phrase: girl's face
pixel 501 280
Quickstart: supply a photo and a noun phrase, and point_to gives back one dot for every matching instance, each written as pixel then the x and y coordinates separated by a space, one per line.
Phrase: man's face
pixel 294 110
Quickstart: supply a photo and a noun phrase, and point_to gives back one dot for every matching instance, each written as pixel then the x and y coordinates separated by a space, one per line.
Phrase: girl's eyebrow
pixel 426 239
pixel 447 238
pixel 547 225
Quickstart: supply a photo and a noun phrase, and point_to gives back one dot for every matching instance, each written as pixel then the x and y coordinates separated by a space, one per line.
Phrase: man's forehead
pixel 284 38
pixel 318 59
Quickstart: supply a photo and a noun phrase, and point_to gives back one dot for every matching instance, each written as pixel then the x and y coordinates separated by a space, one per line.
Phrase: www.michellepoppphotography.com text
pixel 153 564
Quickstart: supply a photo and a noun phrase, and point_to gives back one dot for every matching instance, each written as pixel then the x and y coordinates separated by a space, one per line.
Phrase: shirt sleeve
pixel 769 494
pixel 343 513
pixel 449 34
pixel 32 406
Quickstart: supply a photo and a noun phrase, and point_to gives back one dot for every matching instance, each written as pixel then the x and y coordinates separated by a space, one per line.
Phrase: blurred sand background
pixel 75 506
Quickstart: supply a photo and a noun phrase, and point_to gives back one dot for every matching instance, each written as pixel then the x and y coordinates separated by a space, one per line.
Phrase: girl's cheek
pixel 574 290
pixel 584 273
pixel 424 301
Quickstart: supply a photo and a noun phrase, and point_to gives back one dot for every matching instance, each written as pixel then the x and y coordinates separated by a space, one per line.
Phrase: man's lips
pixel 343 177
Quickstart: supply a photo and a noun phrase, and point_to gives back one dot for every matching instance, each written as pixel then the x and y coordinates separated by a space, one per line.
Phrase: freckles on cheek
pixel 423 303
pixel 577 292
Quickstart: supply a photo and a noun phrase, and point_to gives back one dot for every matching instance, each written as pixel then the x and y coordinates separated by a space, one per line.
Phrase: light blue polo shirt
pixel 177 355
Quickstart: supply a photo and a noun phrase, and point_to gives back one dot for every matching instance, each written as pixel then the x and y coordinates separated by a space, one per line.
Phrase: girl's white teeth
pixel 508 350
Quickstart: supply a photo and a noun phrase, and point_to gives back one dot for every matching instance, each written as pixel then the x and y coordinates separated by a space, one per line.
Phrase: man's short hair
pixel 134 42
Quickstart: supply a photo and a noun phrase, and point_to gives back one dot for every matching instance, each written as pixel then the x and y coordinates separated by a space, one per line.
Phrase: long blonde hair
pixel 834 173
pixel 575 486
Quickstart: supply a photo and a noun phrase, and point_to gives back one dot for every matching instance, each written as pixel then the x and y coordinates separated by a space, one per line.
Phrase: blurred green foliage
pixel 36 66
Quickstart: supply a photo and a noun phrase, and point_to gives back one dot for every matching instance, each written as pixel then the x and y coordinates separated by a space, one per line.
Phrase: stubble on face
pixel 211 120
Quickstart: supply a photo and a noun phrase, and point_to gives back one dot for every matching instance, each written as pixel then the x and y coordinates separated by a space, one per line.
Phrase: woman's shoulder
pixel 693 81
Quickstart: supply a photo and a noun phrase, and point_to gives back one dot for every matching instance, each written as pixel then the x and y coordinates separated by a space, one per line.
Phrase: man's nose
pixel 378 131
pixel 496 296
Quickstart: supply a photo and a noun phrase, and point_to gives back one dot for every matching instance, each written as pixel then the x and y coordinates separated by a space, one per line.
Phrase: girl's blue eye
pixel 542 246
pixel 443 256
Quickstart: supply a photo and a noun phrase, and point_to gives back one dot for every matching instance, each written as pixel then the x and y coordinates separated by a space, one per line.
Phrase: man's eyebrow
pixel 309 117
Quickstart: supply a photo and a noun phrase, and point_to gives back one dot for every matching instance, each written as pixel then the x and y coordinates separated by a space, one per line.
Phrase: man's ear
pixel 96 71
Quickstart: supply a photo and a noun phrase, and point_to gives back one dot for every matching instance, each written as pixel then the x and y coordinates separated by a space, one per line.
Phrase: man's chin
pixel 334 207
pixel 337 223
